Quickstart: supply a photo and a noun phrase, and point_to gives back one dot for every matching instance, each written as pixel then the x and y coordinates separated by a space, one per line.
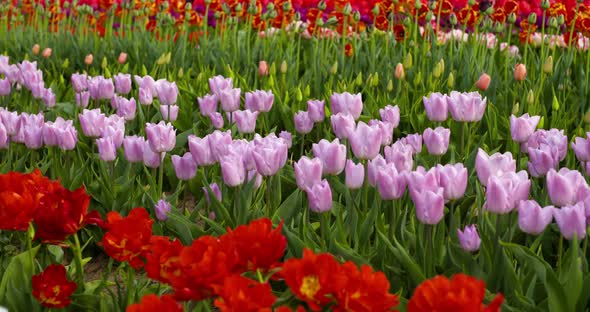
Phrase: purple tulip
pixel 126 108
pixel 436 106
pixel 218 141
pixel 82 99
pixel 219 83
pixel 401 155
pixel 415 141
pixel 48 97
pixel 79 82
pixel 386 130
pixel 320 197
pixel 554 138
pixel 542 159
pixel 114 127
pixel 33 136
pixel 245 120
pixel 373 168
pixel 146 97
pixel 365 141
pixel 122 83
pixel 437 140
pixel 4 138
pixel 26 121
pixel 533 219
pixel 106 149
pixel 5 87
pixel 260 101
pixel 270 157
pixel 390 114
pixel 571 221
pixel 253 174
pixel 355 175
pixel 162 209
pixel 92 122
pixel 506 191
pixel 521 128
pixel 494 165
pixel 453 179
pixel 60 133
pixel 101 88
pixel 390 183
pixel 581 147
pixel 303 123
pixel 230 99
pixel 343 125
pixel 566 187
pixel 232 170
pixel 287 138
pixel 316 110
pixel 307 172
pixel 167 92
pixel 332 155
pixel 469 238
pixel 147 83
pixel 420 179
pixel 133 148
pixel 466 107
pixel 161 136
pixel 169 112
pixel 185 167
pixel 347 103
pixel 9 120
pixel 430 205
pixel 152 159
pixel 207 104
pixel 216 192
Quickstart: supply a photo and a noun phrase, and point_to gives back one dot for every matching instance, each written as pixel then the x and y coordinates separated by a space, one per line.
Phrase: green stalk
pixel 77 249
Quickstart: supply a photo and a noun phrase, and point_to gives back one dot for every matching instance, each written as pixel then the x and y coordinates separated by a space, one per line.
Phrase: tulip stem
pixel 78 261
pixel 161 175
pixel 324 227
pixel 130 279
pixel 30 247
pixel 559 253
pixel 428 232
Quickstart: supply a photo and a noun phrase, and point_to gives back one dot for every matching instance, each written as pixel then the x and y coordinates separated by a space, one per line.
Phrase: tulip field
pixel 294 155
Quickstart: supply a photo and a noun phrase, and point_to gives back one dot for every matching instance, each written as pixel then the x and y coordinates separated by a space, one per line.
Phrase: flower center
pixel 310 286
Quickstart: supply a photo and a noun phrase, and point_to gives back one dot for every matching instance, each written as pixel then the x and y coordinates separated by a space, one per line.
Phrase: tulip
pixel 320 197
pixel 414 141
pixel 9 120
pixel 151 159
pixel 115 128
pixel 253 174
pixel 332 155
pixel 365 141
pixel 169 112
pixel 145 96
pixel 506 191
pixel 4 138
pixel 133 148
pixel 162 209
pixel 101 88
pixel 230 99
pixel 494 165
pixel 122 58
pixel 216 120
pixel 207 104
pixel 161 136
pixel 303 123
pixel 245 120
pixel 390 114
pixel 466 107
pixel 83 99
pixel 48 97
pixel 88 59
pixel 347 103
pixel 232 170
pixel 126 108
pixel 420 180
pixel 218 141
pixel 571 221
pixel 401 155
pixel 437 140
pixel 218 83
pixel 343 125
pixel 469 238
pixel 259 100
pixel 522 128
pixel 5 87
pixel 46 53
pixel 147 83
pixel 566 187
pixel 64 133
pixel 216 192
pixel 520 72
pixel 36 48
pixel 373 168
pixel 185 167
pixel 122 83
pixel 167 92
pixel 33 136
pixel 453 180
pixel 581 147
pixel 542 159
pixel 355 175
pixel 308 172
pixel 390 183
pixel 269 159
pixel 483 83
pixel 386 130
pixel 436 106
pixel 262 68
pixel 430 205
pixel 533 219
pixel 316 110
pixel 106 149
pixel 399 71
pixel 287 138
pixel 554 138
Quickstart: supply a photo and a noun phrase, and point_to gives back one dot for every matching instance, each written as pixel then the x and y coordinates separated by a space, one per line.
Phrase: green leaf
pixel 288 207
pixel 57 252
pixel 402 256
pixel 572 278
pixel 16 282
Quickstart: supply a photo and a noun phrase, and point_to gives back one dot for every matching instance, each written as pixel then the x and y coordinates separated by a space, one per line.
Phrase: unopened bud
pixel 417 4
pixel 104 62
pixel 46 53
pixel 322 5
pixel 548 65
pixel 555 103
pixel 298 95
pixel 553 22
pixel 347 9
pixel 359 79
pixel 180 73
pixel 560 19
pixel 511 18
pixel 545 4
pixel 541 124
pixel 307 91
pixel 408 61
pixel 451 81
pixel 532 18
pixel 65 64
pixel 375 80
pixel 356 16
pixel 530 98
pixel 471 2
pixel 418 79
pixel 515 108
pixel 375 10
pixel 439 69
pixel 453 19
pixel 399 71
pixel 88 59
pixel 284 67
pixel 287 6
pixel 334 68
pixel 587 118
pixel 390 85
pixel 122 58
pixel 36 49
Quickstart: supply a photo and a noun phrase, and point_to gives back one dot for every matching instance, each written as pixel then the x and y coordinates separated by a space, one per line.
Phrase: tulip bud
pixel 284 67
pixel 408 61
pixel 533 18
pixel 451 81
pixel 273 69
pixel 548 65
pixel 356 16
pixel 122 58
pixel 453 19
pixel 390 85
pixel 399 71
pixel 347 9
pixel 560 19
pixel 499 27
pixel 417 4
pixel 555 103
pixel 553 22
pixel 359 79
pixel 46 53
pixel 520 72
pixel 262 68
pixel 587 117
pixel 307 91
pixel 88 59
pixel 65 64
pixel 334 68
pixel 545 4
pixel 471 2
pixel 322 5
pixel 439 68
pixel 418 79
pixel 530 98
pixel 515 108
pixel 376 10
pixel 511 18
pixel 36 49
pixel 541 123
pixel 375 80
pixel 298 95
pixel 483 82
pixel 104 63
pixel 287 6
